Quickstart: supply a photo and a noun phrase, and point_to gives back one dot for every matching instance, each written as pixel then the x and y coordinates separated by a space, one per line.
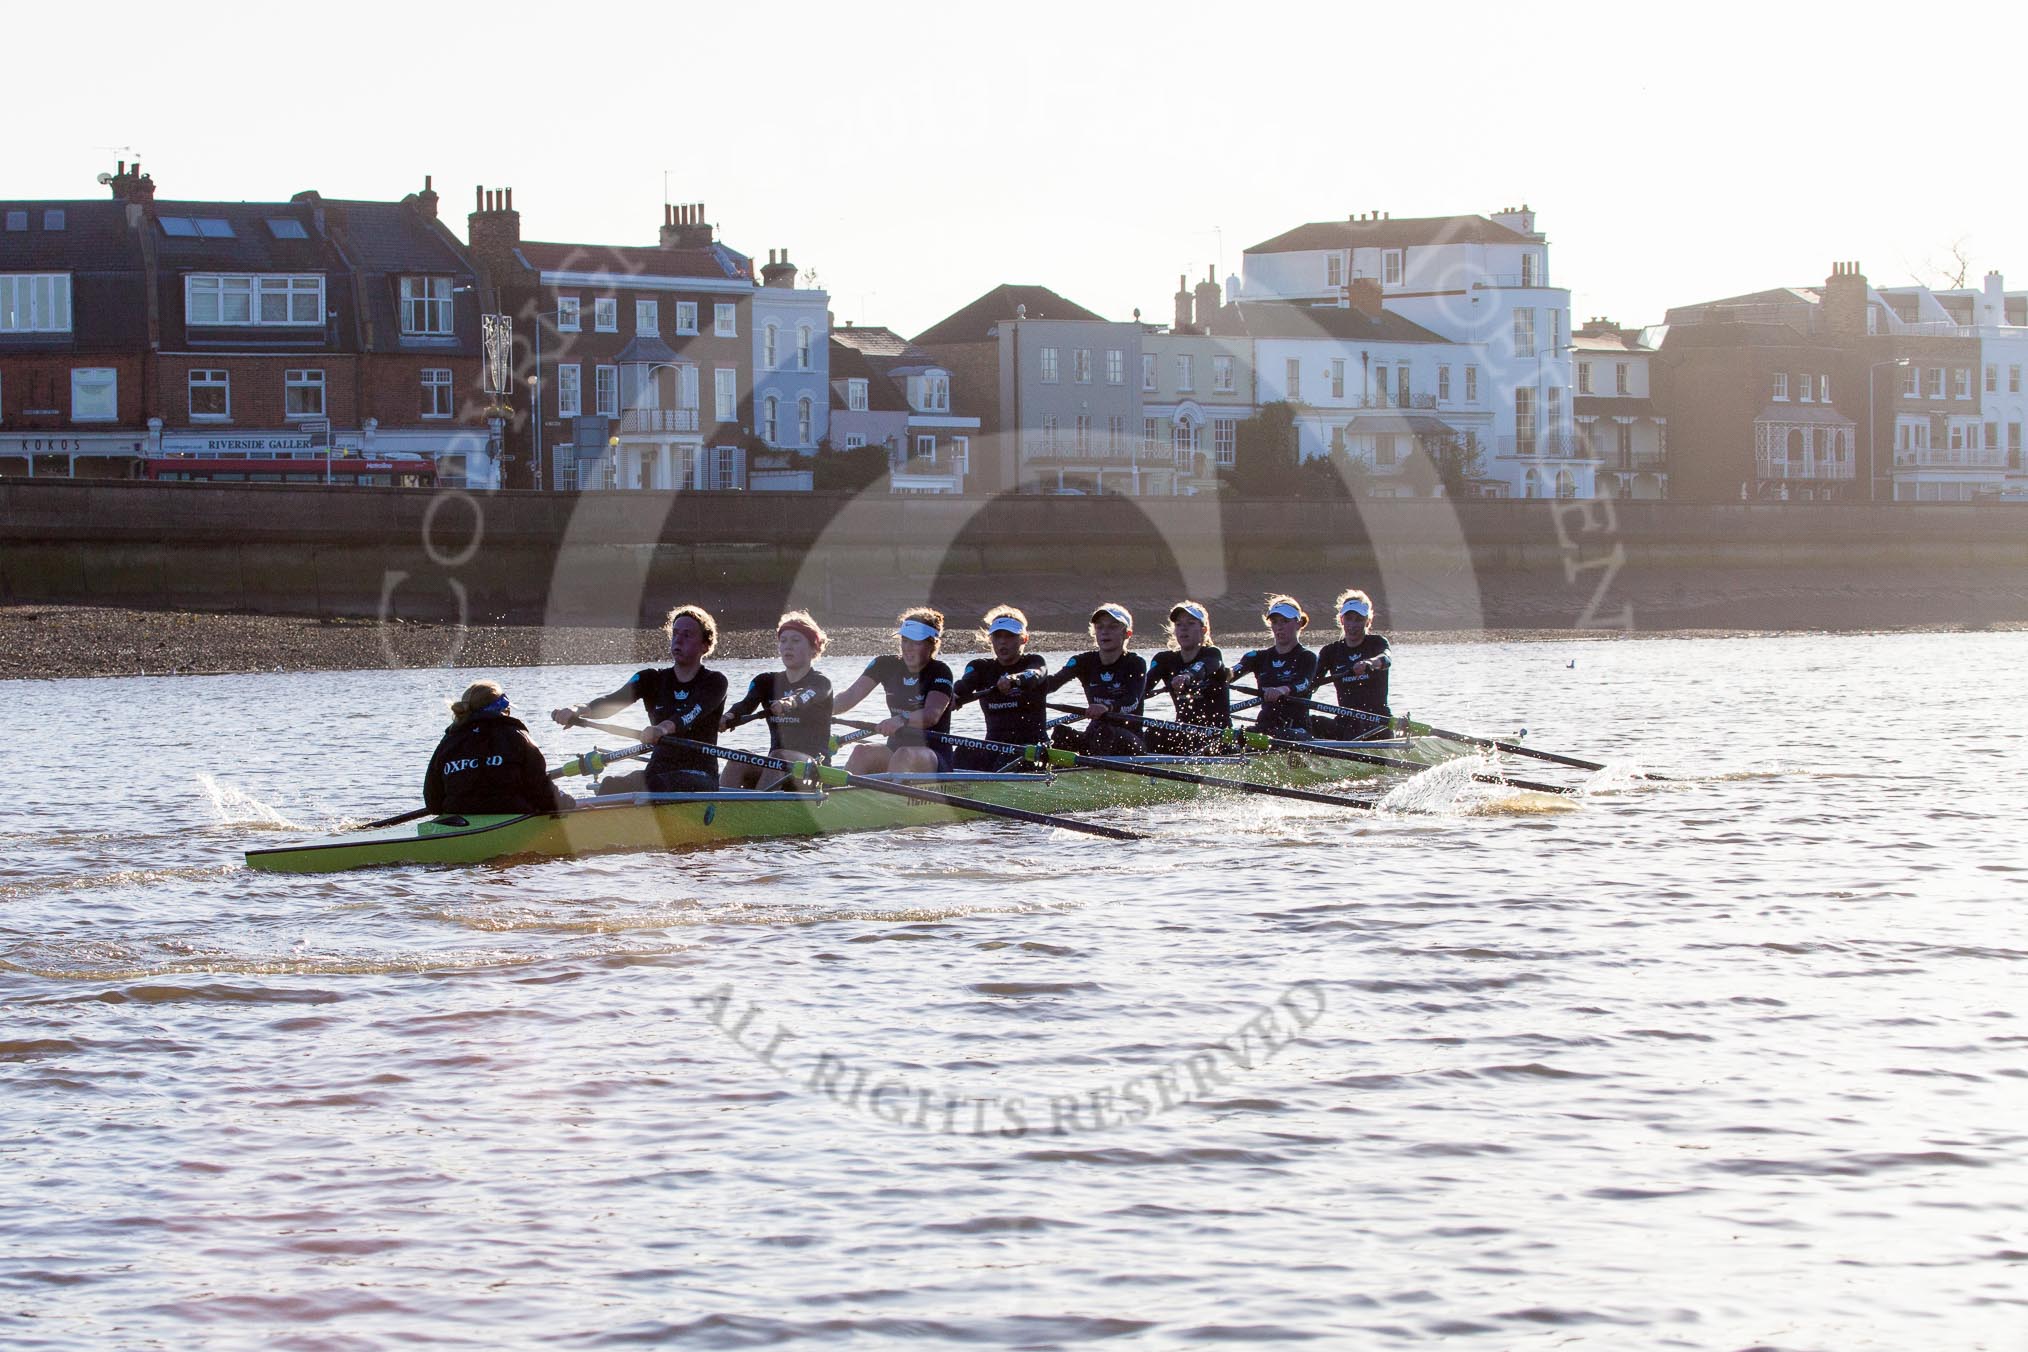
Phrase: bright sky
pixel 917 154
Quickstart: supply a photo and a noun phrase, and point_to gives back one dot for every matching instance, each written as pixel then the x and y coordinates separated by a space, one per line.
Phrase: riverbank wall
pixel 621 558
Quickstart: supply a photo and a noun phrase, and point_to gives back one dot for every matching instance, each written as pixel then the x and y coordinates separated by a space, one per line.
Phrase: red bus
pixel 293 467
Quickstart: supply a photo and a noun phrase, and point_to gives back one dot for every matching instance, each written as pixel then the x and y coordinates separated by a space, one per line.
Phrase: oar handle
pixel 831 776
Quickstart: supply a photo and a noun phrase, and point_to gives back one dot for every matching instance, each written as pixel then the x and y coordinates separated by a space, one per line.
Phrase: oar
pixel 867 730
pixel 590 763
pixel 1058 756
pixel 809 772
pixel 1425 730
pixel 1260 741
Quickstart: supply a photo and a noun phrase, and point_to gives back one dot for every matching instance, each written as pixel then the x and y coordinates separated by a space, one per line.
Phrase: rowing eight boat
pixel 664 821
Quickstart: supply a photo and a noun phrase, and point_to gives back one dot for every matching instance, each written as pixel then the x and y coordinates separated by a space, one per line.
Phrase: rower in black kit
pixel 1113 680
pixel 798 703
pixel 1287 666
pixel 683 700
pixel 804 724
pixel 1357 666
pixel 1008 689
pixel 1192 673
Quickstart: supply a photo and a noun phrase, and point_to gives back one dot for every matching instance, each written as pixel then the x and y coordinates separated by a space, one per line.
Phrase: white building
pixel 1480 283
pixel 1963 390
pixel 1365 381
pixel 791 375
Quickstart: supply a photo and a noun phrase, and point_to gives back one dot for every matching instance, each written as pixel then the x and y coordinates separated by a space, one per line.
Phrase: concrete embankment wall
pixel 620 557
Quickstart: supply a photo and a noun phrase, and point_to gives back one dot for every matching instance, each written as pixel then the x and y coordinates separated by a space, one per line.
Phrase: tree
pixel 1265 455
pixel 850 469
pixel 1340 474
pixel 1444 460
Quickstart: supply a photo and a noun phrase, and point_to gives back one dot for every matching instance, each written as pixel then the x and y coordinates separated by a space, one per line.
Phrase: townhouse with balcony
pixel 1763 404
pixel 238 340
pixel 889 392
pixel 1844 392
pixel 1959 407
pixel 791 356
pixel 1197 387
pixel 1481 283
pixel 637 362
pixel 1618 426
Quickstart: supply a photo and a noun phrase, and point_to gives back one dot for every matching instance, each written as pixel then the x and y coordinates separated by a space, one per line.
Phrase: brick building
pixel 638 360
pixel 239 339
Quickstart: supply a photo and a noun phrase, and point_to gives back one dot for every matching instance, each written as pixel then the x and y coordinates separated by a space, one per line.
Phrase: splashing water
pixel 235 807
pixel 1448 790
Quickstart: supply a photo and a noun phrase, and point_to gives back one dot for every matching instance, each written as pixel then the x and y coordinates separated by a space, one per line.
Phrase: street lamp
pixel 1873 431
pixel 535 418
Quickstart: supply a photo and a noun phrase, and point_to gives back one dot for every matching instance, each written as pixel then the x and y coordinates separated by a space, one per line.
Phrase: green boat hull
pixel 646 822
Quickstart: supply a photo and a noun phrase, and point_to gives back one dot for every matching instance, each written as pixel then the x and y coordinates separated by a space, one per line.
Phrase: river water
pixel 1736 1060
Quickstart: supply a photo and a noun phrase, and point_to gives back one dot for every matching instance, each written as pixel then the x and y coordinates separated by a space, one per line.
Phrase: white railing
pixel 1062 449
pixel 659 420
pixel 1769 467
pixel 1939 457
pixel 1550 445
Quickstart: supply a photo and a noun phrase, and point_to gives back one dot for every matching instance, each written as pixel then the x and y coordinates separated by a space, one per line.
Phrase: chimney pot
pixel 510 199
pixel 426 182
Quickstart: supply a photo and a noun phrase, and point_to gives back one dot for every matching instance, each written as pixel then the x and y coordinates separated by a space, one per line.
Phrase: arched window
pixel 768 337
pixel 769 410
pixel 1531 484
pixel 803 421
pixel 803 350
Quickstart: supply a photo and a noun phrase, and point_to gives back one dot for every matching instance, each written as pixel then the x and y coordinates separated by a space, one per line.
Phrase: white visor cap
pixel 917 630
pixel 1006 624
pixel 1285 611
pixel 1354 606
pixel 1193 610
pixel 1115 613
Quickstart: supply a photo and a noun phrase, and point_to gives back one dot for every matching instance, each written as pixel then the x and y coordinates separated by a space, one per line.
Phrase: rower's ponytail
pixel 480 695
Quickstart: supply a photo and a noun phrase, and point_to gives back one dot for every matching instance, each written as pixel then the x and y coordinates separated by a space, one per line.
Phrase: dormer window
pixel 1390 267
pixel 35 302
pixel 1334 270
pixel 855 395
pixel 263 300
pixel 426 306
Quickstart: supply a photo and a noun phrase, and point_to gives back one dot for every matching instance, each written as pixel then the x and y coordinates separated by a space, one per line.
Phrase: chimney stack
pixel 1363 293
pixel 779 270
pixel 131 185
pixel 684 227
pixel 426 200
pixel 494 231
pixel 1993 300
pixel 1182 324
pixel 1207 300
pixel 1844 307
